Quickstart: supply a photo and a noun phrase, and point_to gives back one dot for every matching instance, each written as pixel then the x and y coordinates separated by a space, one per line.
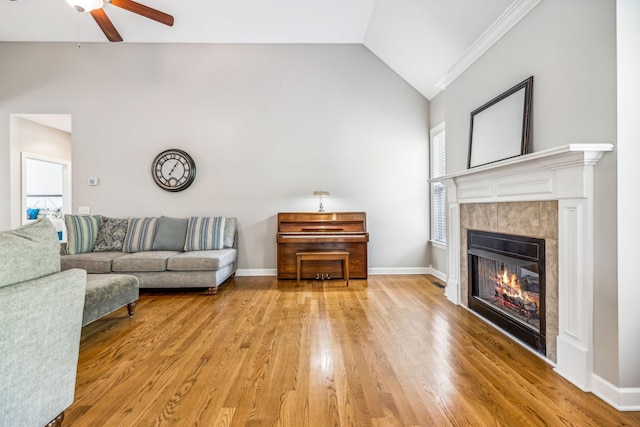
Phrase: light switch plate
pixel 84 210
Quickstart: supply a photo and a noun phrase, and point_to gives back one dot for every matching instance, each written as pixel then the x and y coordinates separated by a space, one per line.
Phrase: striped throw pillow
pixel 82 231
pixel 140 233
pixel 205 233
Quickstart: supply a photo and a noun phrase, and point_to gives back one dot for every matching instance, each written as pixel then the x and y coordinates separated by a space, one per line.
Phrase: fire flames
pixel 510 294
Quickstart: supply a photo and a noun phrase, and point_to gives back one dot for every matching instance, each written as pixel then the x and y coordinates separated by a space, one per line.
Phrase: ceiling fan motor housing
pixel 85 5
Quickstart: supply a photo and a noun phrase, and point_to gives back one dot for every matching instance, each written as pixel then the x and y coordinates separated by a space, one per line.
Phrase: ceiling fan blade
pixel 145 11
pixel 106 25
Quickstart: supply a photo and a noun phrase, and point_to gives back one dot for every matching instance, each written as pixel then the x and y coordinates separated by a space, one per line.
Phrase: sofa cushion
pixel 171 234
pixel 202 260
pixel 93 262
pixel 230 232
pixel 82 231
pixel 140 234
pixel 111 234
pixel 143 261
pixel 29 252
pixel 205 233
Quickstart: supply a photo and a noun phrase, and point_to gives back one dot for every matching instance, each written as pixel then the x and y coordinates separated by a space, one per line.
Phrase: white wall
pixel 569 46
pixel 39 139
pixel 628 14
pixel 266 124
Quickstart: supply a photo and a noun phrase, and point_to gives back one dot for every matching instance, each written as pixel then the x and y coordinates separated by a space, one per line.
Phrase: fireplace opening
pixel 507 284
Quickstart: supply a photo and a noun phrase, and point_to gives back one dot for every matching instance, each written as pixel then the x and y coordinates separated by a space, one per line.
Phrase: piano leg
pixel 345 269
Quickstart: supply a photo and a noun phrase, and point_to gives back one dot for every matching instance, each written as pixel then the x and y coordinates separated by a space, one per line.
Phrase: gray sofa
pixel 164 252
pixel 41 321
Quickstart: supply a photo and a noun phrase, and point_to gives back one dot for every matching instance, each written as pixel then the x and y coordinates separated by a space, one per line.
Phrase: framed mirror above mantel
pixel 499 129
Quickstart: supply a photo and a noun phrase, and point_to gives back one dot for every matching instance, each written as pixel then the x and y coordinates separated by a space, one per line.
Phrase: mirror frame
pixel 511 138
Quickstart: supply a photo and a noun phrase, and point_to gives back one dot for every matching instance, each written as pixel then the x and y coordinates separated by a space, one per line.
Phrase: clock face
pixel 173 170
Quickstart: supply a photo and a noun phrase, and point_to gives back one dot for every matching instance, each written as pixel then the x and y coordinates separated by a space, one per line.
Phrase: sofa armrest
pixel 39 342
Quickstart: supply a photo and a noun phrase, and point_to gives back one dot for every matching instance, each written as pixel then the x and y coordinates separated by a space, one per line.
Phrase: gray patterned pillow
pixel 111 234
pixel 29 252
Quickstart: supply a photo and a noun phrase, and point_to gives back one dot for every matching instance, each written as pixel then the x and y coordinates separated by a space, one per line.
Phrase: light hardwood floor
pixel 390 351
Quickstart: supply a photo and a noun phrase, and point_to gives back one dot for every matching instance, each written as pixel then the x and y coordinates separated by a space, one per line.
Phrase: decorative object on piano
pixel 500 128
pixel 321 193
pixel 322 232
pixel 173 170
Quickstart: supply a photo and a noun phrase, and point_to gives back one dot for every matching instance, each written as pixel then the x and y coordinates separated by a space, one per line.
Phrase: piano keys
pixel 322 231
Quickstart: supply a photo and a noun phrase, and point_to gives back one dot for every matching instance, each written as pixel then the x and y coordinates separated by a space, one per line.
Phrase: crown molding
pixel 510 17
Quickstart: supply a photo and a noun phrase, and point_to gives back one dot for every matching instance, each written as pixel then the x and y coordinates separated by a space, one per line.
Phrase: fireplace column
pixel 452 290
pixel 575 290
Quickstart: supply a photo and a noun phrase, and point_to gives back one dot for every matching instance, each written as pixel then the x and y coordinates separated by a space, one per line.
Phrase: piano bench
pixel 324 256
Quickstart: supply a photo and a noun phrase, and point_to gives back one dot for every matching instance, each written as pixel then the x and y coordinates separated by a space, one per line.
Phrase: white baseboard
pixel 372 271
pixel 623 399
pixel 438 274
pixel 400 270
pixel 256 272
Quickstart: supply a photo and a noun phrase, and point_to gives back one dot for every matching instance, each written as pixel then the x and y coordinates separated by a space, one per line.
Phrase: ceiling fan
pixel 94 7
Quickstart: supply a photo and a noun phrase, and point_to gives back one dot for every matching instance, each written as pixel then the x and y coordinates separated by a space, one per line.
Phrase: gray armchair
pixel 40 325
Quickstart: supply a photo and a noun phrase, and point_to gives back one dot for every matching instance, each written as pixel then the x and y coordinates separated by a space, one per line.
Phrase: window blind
pixel 438 190
pixel 438 152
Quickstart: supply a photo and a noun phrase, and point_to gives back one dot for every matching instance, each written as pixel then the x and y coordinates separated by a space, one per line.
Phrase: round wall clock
pixel 173 170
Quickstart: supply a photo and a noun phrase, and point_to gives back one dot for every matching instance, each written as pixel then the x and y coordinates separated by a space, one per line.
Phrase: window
pixel 438 190
pixel 44 185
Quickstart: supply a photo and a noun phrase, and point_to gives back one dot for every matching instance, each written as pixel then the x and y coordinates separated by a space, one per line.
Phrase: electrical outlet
pixel 92 181
pixel 84 210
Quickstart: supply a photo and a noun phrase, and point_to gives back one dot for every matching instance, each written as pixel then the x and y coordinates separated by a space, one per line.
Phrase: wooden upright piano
pixel 322 231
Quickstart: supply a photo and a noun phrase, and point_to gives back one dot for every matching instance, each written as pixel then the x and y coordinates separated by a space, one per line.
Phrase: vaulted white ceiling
pixel 424 41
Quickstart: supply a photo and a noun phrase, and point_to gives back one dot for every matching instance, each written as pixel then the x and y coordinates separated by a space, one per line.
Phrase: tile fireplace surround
pixel 528 219
pixel 537 183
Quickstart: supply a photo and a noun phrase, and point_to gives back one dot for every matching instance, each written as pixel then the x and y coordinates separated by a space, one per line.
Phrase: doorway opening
pixel 40 168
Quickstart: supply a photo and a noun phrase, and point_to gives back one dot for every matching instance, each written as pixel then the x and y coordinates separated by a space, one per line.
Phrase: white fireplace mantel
pixel 564 174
